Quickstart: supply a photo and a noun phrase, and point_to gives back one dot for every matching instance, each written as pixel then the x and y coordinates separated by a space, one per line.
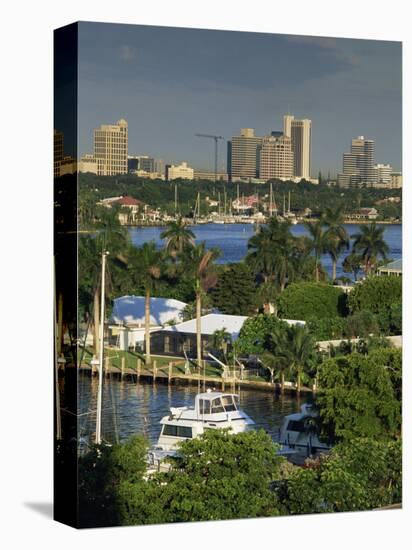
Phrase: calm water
pixel 130 408
pixel 232 239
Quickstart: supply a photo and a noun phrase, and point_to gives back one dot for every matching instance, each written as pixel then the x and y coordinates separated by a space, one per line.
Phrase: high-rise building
pixel 142 162
pixel 396 180
pixel 243 155
pixel 300 132
pixel 182 171
pixel 110 148
pixel 383 173
pixel 58 151
pixel 358 165
pixel 276 158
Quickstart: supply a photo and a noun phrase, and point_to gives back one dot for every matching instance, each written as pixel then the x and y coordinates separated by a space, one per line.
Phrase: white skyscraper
pixel 300 132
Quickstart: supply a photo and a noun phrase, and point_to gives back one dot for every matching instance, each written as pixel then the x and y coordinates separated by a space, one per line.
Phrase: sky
pixel 171 83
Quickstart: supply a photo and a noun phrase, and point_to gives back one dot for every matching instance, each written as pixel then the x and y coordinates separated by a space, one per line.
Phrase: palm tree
pixel 198 261
pixel 370 244
pixel 149 263
pixel 268 294
pixel 178 236
pixel 319 242
pixel 352 264
pixel 337 239
pixel 221 339
pixel 294 346
pixel 272 253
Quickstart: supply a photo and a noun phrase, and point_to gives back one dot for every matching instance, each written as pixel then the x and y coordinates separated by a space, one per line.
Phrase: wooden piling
pixel 138 368
pixel 154 370
pixel 122 368
pixel 170 371
pixel 106 365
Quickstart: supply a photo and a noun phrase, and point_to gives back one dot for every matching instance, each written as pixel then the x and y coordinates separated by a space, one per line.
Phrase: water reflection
pixel 132 408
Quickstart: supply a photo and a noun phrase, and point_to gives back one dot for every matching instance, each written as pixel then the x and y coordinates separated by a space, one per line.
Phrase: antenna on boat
pixel 98 437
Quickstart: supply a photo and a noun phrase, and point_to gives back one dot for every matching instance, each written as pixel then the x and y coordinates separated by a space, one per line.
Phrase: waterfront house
pixel 181 338
pixel 127 322
pixel 393 269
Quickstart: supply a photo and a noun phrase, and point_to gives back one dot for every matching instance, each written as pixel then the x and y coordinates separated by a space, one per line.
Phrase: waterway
pixel 232 240
pixel 136 408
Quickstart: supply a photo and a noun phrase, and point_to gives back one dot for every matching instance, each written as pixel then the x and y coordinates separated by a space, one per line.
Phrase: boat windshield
pixel 226 403
pixel 229 403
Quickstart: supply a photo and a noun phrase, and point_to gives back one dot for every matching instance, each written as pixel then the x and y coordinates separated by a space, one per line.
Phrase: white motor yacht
pixel 299 432
pixel 212 411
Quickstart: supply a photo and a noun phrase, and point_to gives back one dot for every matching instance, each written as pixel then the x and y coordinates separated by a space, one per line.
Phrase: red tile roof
pixel 128 201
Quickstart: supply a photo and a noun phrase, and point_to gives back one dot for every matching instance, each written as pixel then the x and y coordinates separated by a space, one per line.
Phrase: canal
pixel 136 408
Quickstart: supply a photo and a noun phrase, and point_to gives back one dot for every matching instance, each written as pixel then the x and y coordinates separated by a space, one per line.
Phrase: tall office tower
pixel 58 151
pixel 276 158
pixel 358 165
pixel 242 155
pixel 300 132
pixel 364 149
pixel 110 148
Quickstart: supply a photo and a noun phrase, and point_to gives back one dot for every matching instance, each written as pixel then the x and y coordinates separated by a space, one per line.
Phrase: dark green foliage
pixel 161 194
pixel 303 301
pixel 327 328
pixel 235 291
pixel 255 332
pixel 363 475
pixel 359 395
pixel 382 296
pixel 361 324
pixel 217 476
pixel 102 471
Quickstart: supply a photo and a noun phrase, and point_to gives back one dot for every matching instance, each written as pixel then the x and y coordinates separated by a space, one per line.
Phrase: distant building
pixel 181 171
pixel 365 214
pixel 383 173
pixel 58 140
pixel 141 162
pixel 276 158
pixel 300 132
pixel 220 176
pixel 393 269
pixel 88 163
pixel 396 180
pixel 358 165
pixel 245 204
pixel 149 175
pixel 110 148
pixel 242 155
pixel 131 208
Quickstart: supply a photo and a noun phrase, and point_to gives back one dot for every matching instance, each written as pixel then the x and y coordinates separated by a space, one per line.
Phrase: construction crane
pixel 216 138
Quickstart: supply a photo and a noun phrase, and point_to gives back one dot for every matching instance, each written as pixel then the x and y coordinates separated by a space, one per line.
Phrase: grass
pixel 162 364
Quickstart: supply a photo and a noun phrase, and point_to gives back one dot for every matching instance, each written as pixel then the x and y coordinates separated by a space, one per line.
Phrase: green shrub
pixel 327 329
pixel 308 300
pixel 376 294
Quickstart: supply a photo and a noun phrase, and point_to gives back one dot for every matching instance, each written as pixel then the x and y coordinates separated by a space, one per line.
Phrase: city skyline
pixel 170 83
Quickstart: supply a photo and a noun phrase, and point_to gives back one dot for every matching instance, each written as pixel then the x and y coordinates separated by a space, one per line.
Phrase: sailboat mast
pixel 238 200
pixel 289 204
pixel 98 438
pixel 270 199
pixel 175 200
pixel 56 365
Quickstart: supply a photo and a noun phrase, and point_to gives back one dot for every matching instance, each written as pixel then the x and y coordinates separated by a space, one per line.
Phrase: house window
pixel 167 344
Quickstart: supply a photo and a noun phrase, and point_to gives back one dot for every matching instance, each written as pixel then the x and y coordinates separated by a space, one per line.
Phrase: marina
pixel 131 408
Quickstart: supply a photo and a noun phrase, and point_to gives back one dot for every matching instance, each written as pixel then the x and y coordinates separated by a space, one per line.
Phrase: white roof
pixel 210 323
pixel 130 310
